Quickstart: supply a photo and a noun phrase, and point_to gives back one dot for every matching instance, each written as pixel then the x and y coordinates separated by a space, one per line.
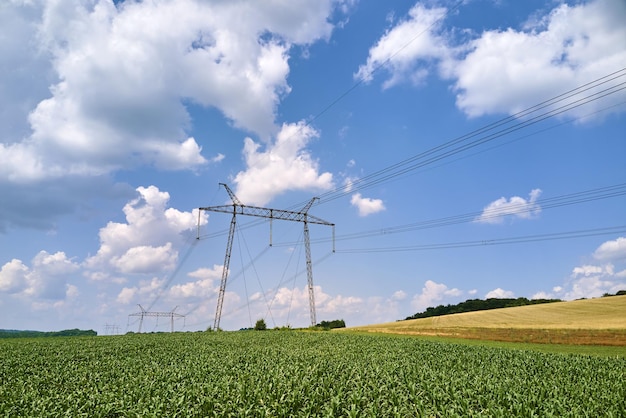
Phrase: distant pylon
pixel 143 313
pixel 110 329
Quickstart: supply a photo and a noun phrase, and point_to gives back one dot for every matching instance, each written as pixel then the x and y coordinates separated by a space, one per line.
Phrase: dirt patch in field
pixel 540 336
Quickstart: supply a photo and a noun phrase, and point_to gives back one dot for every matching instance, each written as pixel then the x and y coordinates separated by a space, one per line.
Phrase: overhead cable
pixel 489 215
pixel 498 241
pixel 553 107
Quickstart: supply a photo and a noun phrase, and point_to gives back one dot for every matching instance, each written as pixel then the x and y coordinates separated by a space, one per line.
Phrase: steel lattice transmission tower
pixel 238 208
pixel 143 313
pixel 111 329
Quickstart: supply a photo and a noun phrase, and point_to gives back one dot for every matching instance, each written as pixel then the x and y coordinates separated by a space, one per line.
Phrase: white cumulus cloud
pixel 366 205
pixel 500 294
pixel 121 80
pixel 285 164
pixel 515 206
pixel 571 46
pixel 47 277
pixel 541 295
pixel 586 270
pixel 496 71
pixel 594 283
pixel 146 259
pixel 206 285
pixel 146 290
pixel 13 276
pixel 90 87
pixel 594 280
pixel 148 241
pixel 611 250
pixel 398 295
pixel 126 295
pixel 405 49
pixel 431 293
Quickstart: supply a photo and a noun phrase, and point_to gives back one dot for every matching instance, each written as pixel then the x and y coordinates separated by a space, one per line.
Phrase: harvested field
pixel 599 321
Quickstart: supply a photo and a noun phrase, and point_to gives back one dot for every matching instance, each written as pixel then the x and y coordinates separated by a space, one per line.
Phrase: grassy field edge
pixel 588 350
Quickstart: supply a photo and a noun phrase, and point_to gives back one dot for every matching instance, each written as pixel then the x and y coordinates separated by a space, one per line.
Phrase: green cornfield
pixel 291 373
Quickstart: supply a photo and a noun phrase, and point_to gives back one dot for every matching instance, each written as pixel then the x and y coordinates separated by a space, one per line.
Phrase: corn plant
pixel 290 373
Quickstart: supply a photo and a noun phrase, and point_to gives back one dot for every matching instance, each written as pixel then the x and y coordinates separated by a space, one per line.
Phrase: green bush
pixel 260 325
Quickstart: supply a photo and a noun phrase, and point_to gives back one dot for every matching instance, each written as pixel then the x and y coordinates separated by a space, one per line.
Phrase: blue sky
pixel 464 150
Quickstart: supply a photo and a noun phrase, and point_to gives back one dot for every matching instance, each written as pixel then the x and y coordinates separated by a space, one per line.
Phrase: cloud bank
pixel 496 71
pixel 90 87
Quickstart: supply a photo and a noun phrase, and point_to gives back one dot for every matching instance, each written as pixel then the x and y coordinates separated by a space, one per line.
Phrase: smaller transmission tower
pixel 238 208
pixel 111 329
pixel 143 313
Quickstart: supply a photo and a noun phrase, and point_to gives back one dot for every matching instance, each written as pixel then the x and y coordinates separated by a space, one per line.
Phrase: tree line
pixel 328 325
pixel 472 305
pixel 11 333
pixel 324 325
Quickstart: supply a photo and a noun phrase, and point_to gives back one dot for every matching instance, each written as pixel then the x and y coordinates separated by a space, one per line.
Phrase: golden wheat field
pixel 599 321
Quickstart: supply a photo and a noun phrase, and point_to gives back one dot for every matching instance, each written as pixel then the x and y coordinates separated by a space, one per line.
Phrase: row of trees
pixel 472 305
pixel 324 325
pixel 10 333
pixel 619 293
pixel 328 325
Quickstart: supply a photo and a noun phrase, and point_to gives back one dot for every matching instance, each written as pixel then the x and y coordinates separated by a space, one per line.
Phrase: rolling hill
pixel 599 321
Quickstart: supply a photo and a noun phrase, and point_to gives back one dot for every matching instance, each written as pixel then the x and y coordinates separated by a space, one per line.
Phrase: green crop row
pixel 279 374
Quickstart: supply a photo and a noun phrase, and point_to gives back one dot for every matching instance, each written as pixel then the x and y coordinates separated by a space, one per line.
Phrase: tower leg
pixel 220 298
pixel 309 273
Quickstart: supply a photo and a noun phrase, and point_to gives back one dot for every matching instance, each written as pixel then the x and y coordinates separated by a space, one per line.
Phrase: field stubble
pixel 582 322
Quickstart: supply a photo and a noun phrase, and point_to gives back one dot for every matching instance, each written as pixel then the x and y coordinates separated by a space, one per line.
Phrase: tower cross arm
pixel 315 220
pixel 162 314
pixel 287 215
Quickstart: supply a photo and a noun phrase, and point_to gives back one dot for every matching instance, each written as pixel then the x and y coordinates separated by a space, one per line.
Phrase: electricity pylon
pixel 111 329
pixel 171 315
pixel 238 208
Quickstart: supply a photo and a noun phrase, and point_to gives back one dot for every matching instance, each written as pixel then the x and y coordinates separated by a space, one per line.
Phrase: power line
pixel 301 216
pixel 234 276
pixel 485 134
pixel 345 190
pixel 354 86
pixel 280 282
pixel 585 196
pixel 501 144
pixel 170 279
pixel 376 68
pixel 268 292
pixel 497 241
